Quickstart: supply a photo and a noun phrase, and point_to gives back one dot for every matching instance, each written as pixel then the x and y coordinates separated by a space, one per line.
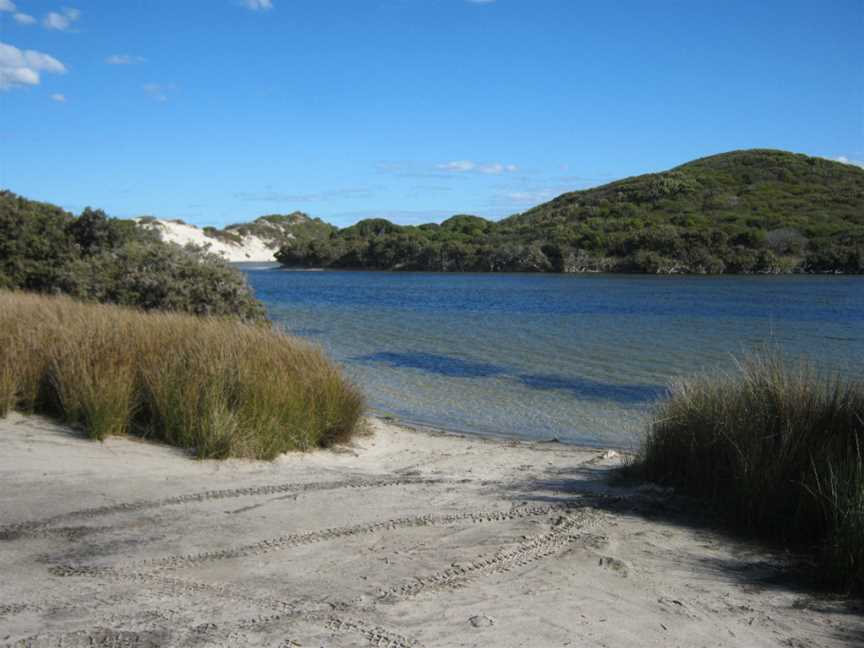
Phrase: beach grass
pixel 216 386
pixel 777 448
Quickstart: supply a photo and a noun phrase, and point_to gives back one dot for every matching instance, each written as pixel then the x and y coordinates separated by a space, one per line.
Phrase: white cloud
pixel 59 98
pixel 467 166
pixel 157 91
pixel 7 5
pixel 497 168
pixel 256 5
pixel 23 67
pixel 24 19
pixel 846 160
pixel 124 59
pixel 459 166
pixel 480 1
pixel 528 197
pixel 62 20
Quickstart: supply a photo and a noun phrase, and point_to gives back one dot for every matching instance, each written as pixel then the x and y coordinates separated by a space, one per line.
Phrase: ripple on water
pixel 580 358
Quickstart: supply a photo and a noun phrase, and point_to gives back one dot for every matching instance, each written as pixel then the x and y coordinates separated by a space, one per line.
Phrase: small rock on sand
pixel 481 621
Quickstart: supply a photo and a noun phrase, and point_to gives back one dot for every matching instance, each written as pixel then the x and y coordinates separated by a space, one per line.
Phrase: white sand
pixel 406 538
pixel 253 248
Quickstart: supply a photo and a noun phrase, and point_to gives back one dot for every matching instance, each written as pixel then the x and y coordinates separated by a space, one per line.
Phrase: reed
pixel 216 386
pixel 778 449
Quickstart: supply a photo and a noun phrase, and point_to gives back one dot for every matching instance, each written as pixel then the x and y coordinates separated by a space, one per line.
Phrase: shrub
pixel 163 277
pixel 778 449
pixel 219 387
pixel 94 257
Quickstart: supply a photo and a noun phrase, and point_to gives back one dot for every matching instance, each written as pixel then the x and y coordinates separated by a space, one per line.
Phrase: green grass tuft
pixel 778 450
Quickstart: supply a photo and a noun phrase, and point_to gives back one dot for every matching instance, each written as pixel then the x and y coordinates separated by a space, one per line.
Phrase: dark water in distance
pixel 577 357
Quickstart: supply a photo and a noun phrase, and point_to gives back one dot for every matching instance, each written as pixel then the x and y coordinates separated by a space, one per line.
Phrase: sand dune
pixel 405 538
pixel 252 248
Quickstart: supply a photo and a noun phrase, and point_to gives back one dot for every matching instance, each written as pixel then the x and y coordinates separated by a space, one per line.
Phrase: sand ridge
pixel 404 538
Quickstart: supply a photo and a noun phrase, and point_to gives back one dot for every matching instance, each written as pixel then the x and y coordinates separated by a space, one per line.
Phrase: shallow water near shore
pixel 578 358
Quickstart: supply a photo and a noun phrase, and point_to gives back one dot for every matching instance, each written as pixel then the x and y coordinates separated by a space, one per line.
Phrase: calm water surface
pixel 580 358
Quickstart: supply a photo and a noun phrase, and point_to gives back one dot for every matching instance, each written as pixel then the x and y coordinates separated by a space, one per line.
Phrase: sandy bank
pixel 405 538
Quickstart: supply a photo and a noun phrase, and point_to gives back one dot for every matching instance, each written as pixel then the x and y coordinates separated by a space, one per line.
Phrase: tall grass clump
pixel 778 449
pixel 220 387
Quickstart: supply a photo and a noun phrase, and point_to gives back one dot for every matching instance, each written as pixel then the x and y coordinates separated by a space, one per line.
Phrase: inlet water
pixel 574 357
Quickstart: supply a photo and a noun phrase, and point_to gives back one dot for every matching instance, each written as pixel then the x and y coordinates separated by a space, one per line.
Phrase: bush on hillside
pixel 757 211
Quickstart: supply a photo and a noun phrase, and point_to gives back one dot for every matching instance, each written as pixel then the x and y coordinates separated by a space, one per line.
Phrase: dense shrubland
pixel 757 211
pixel 93 257
pixel 300 227
pixel 778 450
pixel 216 386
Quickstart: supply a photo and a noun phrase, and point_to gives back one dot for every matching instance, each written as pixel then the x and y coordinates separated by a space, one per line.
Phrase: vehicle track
pixel 376 635
pixel 504 560
pixel 524 553
pixel 311 537
pixel 93 638
pixel 43 526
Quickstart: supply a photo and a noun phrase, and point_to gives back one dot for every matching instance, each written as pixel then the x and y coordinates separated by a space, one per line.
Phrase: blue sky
pixel 217 111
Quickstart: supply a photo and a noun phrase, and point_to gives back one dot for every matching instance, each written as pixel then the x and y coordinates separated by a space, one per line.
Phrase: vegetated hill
pixel 754 211
pixel 46 249
pixel 255 241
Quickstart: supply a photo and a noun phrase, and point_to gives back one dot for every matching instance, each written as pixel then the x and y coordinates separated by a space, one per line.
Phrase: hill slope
pixel 754 211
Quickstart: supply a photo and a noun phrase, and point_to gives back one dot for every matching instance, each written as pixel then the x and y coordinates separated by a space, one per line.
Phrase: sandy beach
pixel 402 538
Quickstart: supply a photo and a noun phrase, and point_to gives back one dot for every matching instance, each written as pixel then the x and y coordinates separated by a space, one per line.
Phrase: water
pixel 578 358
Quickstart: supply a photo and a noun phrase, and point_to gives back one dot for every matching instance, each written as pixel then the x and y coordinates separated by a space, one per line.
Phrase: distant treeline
pixel 96 258
pixel 757 211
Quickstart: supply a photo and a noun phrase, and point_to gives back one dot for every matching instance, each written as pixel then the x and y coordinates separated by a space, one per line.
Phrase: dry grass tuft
pixel 219 387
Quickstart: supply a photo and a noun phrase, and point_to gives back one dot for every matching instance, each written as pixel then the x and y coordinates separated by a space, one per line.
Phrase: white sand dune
pixel 253 248
pixel 404 538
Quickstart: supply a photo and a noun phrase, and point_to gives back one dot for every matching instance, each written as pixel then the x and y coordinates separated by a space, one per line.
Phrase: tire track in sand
pixel 312 537
pixel 528 551
pixel 44 526
pixel 374 634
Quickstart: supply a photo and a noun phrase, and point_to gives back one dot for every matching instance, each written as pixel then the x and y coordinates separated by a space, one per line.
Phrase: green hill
pixel 754 211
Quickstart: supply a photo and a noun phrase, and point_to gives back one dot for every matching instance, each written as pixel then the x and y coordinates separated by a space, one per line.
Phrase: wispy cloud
pixel 279 196
pixel 61 20
pixel 24 67
pixel 258 5
pixel 469 166
pixel 124 59
pixel 444 170
pixel 519 196
pixel 8 6
pixel 415 170
pixel 158 91
pixel 480 1
pixel 846 160
pixel 59 98
pixel 525 198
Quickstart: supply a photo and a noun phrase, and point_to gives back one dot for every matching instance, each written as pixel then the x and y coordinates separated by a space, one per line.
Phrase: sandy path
pixel 406 538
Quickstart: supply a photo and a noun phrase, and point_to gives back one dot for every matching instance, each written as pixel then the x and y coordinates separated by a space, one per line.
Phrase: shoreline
pixel 503 438
pixel 402 537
